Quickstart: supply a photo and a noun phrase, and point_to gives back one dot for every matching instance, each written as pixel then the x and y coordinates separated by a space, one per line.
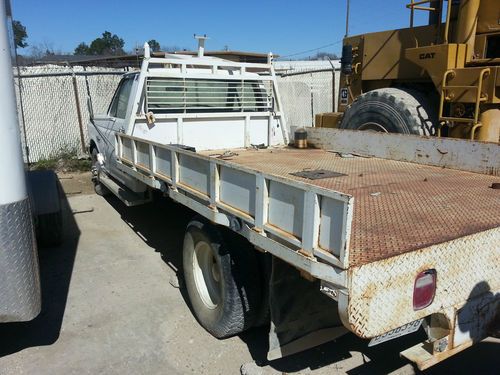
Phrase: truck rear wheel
pixel 222 281
pixel 392 110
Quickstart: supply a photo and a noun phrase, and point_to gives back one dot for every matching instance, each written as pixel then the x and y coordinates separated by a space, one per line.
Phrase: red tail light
pixel 424 289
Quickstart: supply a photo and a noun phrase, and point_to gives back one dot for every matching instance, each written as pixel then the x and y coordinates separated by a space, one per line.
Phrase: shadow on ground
pixel 56 267
pixel 161 225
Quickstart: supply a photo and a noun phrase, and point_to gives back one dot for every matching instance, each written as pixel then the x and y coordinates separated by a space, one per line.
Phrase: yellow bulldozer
pixel 441 79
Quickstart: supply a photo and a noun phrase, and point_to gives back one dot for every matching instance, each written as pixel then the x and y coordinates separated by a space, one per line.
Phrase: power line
pixel 312 50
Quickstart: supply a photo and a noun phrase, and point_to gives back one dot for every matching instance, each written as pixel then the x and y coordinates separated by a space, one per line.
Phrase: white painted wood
pixel 311 222
pixel 152 158
pixel 214 183
pixel 163 161
pixel 332 217
pixel 261 201
pixel 143 153
pixel 286 207
pixel 194 173
pixel 237 189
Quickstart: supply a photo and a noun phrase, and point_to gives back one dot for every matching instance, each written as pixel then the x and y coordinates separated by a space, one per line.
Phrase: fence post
pixel 78 110
pixel 334 107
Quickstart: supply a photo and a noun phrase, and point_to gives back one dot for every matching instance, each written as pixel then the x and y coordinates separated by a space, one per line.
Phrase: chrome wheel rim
pixel 207 275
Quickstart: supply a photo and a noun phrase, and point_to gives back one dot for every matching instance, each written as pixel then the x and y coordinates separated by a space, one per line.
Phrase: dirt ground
pixel 111 304
pixel 77 183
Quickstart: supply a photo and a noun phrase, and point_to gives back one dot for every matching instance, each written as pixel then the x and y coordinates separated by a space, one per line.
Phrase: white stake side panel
pixel 311 222
pixel 212 131
pixel 461 154
pixel 209 131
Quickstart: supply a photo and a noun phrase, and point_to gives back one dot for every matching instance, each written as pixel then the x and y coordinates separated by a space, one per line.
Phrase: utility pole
pixel 347 19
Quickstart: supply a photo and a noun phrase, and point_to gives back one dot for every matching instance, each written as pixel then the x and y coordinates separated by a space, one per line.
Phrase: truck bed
pixel 398 206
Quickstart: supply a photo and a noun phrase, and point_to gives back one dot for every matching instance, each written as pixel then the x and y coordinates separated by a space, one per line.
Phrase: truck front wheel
pixel 392 110
pixel 99 188
pixel 222 281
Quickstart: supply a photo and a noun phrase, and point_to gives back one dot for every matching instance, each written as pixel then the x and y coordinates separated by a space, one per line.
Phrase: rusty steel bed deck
pixel 398 206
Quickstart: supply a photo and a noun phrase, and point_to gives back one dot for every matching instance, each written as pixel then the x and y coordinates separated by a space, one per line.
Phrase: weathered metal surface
pixel 423 359
pixel 473 322
pixel 398 206
pixel 317 174
pixel 459 154
pixel 20 297
pixel 406 218
pixel 380 293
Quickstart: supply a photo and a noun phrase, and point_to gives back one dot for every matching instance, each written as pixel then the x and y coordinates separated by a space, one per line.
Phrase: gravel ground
pixel 111 304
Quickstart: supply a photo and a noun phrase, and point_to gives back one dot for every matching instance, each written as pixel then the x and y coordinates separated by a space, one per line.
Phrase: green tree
pixel 20 34
pixel 82 49
pixel 154 45
pixel 107 44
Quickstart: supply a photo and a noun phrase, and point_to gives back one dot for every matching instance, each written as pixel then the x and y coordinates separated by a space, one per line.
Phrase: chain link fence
pixel 52 107
pixel 52 104
pixel 304 94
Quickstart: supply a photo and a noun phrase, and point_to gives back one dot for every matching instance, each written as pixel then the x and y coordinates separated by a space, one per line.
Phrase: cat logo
pixel 343 96
pixel 427 55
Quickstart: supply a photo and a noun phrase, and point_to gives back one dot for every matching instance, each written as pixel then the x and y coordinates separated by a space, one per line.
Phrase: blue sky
pixel 283 27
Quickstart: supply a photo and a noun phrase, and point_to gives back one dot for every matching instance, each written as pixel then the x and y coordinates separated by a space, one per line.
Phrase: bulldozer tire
pixel 392 110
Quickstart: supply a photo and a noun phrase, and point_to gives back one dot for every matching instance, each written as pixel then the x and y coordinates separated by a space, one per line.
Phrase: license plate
pixel 398 332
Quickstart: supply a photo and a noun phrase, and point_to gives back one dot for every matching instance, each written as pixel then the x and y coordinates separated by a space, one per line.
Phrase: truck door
pixel 115 121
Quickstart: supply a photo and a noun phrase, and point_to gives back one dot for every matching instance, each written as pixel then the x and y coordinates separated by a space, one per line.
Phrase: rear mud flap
pixel 301 316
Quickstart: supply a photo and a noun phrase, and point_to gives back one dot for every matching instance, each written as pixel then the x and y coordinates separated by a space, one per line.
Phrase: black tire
pixel 222 281
pixel 99 188
pixel 392 110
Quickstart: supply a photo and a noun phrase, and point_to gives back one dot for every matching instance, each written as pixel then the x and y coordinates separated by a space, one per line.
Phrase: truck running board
pixel 123 193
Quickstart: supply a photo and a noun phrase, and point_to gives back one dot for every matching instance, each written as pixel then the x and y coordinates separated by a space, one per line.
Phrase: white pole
pixel 147 51
pixel 201 44
pixel 12 177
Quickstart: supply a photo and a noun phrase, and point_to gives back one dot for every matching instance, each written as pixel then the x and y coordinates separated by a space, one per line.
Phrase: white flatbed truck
pixel 377 234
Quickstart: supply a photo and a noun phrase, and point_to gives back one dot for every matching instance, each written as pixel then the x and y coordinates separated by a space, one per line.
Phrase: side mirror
pixel 346 60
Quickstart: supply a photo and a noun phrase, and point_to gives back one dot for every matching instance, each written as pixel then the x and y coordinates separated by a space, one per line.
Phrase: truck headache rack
pixel 314 221
pixel 183 95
